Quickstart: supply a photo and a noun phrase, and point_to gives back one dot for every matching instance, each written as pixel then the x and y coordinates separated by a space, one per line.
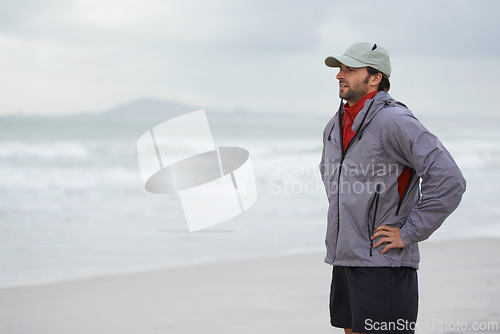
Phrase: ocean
pixel 73 205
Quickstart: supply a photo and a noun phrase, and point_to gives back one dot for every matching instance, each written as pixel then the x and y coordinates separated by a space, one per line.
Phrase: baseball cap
pixel 362 54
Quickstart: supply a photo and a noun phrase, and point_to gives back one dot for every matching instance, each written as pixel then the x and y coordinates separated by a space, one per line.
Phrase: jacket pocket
pixel 371 222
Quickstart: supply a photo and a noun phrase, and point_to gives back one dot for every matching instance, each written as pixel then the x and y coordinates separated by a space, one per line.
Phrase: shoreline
pixel 154 269
pixel 459 282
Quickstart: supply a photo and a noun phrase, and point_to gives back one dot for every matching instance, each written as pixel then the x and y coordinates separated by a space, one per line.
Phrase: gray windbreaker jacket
pixel 362 185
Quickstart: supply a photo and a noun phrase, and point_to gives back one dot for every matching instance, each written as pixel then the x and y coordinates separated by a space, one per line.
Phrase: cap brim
pixel 346 60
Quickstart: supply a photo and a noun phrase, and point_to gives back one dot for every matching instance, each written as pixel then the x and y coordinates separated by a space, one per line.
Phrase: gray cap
pixel 362 54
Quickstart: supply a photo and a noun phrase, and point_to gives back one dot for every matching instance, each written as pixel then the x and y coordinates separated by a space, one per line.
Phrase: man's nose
pixel 340 75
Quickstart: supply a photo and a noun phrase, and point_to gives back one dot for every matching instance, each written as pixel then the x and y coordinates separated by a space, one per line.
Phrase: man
pixel 375 155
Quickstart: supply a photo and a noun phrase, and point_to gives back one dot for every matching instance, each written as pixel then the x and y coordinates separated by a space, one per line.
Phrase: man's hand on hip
pixel 388 235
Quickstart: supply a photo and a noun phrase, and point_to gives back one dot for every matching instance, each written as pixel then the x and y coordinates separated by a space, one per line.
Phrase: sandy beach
pixel 459 289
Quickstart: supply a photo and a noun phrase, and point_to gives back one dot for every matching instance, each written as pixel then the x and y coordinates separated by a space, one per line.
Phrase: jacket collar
pixel 372 107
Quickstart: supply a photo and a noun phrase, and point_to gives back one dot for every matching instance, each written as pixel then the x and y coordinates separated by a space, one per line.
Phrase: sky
pixel 66 56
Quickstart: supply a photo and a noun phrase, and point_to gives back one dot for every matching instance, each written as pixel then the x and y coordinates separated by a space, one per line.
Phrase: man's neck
pixel 351 102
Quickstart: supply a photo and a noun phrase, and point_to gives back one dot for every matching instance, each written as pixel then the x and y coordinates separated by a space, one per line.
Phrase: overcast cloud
pixel 66 56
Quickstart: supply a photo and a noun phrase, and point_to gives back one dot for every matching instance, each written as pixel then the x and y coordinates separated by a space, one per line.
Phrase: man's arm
pixel 442 185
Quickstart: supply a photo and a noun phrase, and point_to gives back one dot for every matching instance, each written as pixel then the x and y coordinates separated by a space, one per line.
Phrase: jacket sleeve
pixel 442 183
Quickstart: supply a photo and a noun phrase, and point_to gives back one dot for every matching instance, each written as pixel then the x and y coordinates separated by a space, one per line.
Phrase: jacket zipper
pixel 374 201
pixel 342 156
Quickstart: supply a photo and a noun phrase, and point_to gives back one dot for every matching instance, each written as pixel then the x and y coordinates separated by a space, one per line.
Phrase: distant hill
pixel 154 111
pixel 132 119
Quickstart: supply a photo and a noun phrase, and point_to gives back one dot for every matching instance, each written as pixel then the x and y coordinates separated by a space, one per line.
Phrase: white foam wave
pixel 43 150
pixel 68 179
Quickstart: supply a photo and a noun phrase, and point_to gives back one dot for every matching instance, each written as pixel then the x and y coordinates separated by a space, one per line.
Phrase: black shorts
pixel 374 300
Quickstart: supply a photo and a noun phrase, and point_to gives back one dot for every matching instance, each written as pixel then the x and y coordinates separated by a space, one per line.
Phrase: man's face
pixel 353 83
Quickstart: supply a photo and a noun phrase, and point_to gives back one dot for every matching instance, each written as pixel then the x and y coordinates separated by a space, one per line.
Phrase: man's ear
pixel 375 79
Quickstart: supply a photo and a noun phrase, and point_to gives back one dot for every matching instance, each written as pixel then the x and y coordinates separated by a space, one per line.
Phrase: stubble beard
pixel 355 92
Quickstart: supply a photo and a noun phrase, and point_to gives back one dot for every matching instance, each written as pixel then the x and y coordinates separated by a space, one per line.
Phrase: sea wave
pixel 43 150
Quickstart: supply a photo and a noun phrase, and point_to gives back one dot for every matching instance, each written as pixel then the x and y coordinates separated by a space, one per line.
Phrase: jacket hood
pixel 370 109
